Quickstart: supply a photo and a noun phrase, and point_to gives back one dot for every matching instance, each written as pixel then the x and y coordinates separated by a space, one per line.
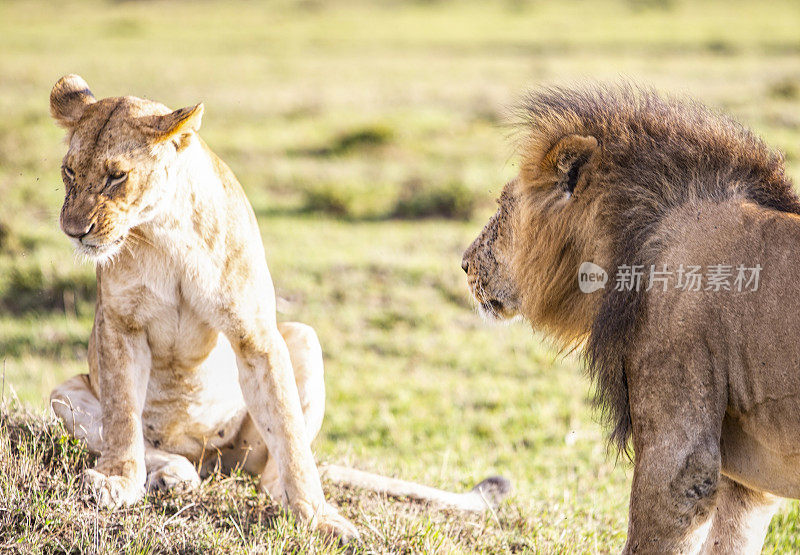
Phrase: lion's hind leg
pixel 741 519
pixel 305 353
pixel 77 406
pixel 168 471
pixel 75 403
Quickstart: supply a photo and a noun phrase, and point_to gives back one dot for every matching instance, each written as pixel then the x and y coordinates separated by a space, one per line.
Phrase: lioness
pixel 705 379
pixel 188 367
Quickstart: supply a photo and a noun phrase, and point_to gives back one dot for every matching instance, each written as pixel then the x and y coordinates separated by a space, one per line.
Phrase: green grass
pixel 338 119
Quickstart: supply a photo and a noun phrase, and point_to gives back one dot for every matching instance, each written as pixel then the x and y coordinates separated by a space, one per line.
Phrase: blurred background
pixel 372 139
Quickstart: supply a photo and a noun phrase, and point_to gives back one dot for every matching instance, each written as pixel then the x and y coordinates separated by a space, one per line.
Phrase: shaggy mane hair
pixel 655 154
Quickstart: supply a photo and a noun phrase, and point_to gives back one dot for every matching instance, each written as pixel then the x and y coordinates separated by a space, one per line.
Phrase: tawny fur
pixel 705 383
pixel 188 368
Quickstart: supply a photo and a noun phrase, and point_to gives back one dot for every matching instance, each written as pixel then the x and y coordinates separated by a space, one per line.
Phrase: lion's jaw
pixel 492 307
pixel 486 263
pixel 100 253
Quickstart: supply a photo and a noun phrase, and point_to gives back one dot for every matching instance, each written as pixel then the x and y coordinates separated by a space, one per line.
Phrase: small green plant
pixel 720 47
pixel 453 200
pixel 786 89
pixel 328 199
pixel 355 140
pixel 29 289
pixel 10 242
pixel 365 137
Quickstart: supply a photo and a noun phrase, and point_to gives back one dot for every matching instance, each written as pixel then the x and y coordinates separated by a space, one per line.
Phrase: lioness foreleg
pixel 271 394
pixel 305 354
pixel 248 451
pixel 79 409
pixel 123 369
pixel 741 519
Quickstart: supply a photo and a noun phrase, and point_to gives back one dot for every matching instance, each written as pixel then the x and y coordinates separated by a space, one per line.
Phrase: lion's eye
pixel 68 173
pixel 115 178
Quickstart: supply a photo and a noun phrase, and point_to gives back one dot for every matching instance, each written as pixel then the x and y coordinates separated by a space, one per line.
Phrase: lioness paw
pixel 178 475
pixel 326 520
pixel 111 492
pixel 331 523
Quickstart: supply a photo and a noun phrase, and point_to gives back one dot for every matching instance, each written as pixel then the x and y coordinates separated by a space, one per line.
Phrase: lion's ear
pixel 567 158
pixel 177 125
pixel 68 100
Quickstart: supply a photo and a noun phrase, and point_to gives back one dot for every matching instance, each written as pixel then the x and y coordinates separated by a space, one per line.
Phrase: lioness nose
pixel 78 231
pixel 465 264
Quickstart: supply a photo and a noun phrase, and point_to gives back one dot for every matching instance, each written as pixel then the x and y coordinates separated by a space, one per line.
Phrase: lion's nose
pixel 77 231
pixel 465 265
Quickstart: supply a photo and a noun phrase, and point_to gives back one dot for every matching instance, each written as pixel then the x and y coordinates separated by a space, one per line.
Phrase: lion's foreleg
pixel 123 369
pixel 673 498
pixel 677 452
pixel 273 402
pixel 79 409
pixel 741 519
pixel 305 354
pixel 249 452
pixel 272 399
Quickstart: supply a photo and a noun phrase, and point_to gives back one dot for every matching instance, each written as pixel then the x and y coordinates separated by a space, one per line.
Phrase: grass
pixel 338 118
pixel 40 466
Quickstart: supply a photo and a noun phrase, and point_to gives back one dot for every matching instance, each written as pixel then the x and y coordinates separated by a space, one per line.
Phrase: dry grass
pixel 45 509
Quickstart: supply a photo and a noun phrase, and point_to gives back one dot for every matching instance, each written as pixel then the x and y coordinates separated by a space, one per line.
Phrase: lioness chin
pixel 188 369
pixel 701 378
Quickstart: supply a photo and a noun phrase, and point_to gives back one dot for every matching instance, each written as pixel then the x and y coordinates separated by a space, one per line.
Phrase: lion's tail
pixel 486 495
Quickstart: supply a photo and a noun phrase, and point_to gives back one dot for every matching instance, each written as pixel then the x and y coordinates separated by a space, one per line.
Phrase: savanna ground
pixel 371 140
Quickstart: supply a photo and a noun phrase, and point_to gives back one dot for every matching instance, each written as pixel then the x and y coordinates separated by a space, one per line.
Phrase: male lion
pixel 705 380
pixel 187 365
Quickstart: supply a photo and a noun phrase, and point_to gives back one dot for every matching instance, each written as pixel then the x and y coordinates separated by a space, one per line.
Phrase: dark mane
pixel 656 154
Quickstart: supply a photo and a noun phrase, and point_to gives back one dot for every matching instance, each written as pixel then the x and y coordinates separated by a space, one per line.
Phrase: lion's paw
pixel 178 475
pixel 111 492
pixel 331 523
pixel 338 526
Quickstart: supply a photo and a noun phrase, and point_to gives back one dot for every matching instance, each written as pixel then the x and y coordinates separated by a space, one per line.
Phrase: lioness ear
pixel 68 100
pixel 567 158
pixel 177 125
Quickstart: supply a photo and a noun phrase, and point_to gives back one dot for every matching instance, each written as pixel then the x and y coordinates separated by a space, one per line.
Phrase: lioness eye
pixel 68 172
pixel 115 178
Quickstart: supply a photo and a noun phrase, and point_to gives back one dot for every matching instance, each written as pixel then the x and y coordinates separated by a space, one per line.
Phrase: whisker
pixel 141 238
